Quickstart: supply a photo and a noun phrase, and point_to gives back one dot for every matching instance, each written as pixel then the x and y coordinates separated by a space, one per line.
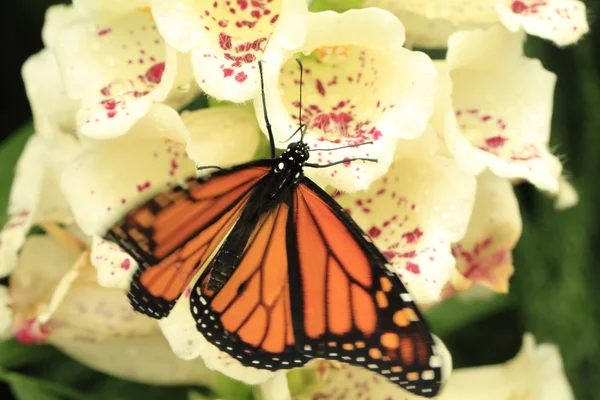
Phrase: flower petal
pixel 562 21
pixel 5 313
pixel 56 17
pixel 226 38
pixel 502 109
pixel 117 69
pixel 222 136
pixel 187 343
pixel 146 359
pixel 52 109
pixel 109 9
pixel 484 255
pixel 114 266
pixel 110 177
pixel 276 388
pixel 536 372
pixel 341 381
pixel 55 294
pixel 429 23
pixel 34 198
pixel 567 195
pixel 413 214
pixel 381 92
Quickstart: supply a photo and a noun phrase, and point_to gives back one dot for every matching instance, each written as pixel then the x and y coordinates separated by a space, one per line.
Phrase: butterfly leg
pixel 312 165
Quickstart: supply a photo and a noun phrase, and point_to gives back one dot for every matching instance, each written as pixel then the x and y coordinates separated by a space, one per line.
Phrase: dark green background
pixel 554 293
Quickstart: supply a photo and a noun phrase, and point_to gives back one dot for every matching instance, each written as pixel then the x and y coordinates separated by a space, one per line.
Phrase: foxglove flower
pixel 360 85
pixel 430 23
pixel 484 254
pixel 117 69
pixel 226 38
pixel 496 111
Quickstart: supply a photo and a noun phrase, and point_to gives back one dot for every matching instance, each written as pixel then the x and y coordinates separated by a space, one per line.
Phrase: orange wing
pixel 176 232
pixel 352 308
pixel 297 279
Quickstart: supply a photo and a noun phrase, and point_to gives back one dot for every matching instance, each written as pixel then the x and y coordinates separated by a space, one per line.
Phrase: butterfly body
pixel 279 273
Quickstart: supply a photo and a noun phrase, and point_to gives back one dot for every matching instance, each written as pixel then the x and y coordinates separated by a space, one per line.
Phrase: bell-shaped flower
pixel 109 9
pixel 536 373
pixel 33 197
pixel 496 108
pixel 110 177
pixel 117 69
pixel 484 255
pixel 414 213
pixel 54 298
pixel 359 85
pixel 226 38
pixel 429 23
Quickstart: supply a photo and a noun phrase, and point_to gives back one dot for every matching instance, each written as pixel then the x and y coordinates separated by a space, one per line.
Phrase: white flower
pixel 536 373
pixel 34 198
pixel 118 68
pixel 413 214
pixel 567 196
pixel 484 255
pixel 109 9
pixel 111 177
pixel 227 38
pixel 55 298
pixel 429 23
pixel 360 85
pixel 497 110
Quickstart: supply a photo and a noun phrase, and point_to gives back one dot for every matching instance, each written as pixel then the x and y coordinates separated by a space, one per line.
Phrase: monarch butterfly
pixel 284 275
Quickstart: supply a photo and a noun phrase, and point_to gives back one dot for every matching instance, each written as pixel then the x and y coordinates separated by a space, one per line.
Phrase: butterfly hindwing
pixel 174 234
pixel 297 279
pixel 352 308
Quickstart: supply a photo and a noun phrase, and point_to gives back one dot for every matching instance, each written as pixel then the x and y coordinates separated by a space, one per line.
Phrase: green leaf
pixel 335 5
pixel 193 395
pixel 30 391
pixel 451 315
pixel 14 354
pixel 10 150
pixel 230 389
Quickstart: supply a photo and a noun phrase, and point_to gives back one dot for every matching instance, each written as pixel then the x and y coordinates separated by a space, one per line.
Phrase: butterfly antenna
pixel 264 104
pixel 302 131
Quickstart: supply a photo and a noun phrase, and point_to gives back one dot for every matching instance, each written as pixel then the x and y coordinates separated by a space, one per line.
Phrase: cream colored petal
pixel 430 23
pixel 55 294
pixel 57 16
pixel 114 266
pixel 145 359
pixel 502 110
pixel 117 68
pixel 110 9
pixel 221 136
pixel 535 373
pixel 562 21
pixel 226 39
pixel 484 255
pixel 276 388
pixel 567 195
pixel 413 214
pixel 111 177
pixel 187 343
pixel 5 313
pixel 360 85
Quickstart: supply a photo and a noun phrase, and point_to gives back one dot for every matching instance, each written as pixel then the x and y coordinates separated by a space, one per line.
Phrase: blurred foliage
pixel 553 293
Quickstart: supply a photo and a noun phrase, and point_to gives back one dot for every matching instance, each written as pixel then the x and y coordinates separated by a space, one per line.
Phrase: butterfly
pixel 282 273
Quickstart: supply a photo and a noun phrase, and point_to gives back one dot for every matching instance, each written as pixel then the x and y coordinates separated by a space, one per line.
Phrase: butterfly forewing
pixel 176 232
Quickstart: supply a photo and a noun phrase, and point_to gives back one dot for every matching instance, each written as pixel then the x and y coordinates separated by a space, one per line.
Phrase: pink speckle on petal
pixel 144 186
pixel 518 7
pixel 104 31
pixel 31 333
pixel 155 73
pixel 241 76
pixel 374 232
pixel 412 267
pixel 126 264
pixel 227 72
